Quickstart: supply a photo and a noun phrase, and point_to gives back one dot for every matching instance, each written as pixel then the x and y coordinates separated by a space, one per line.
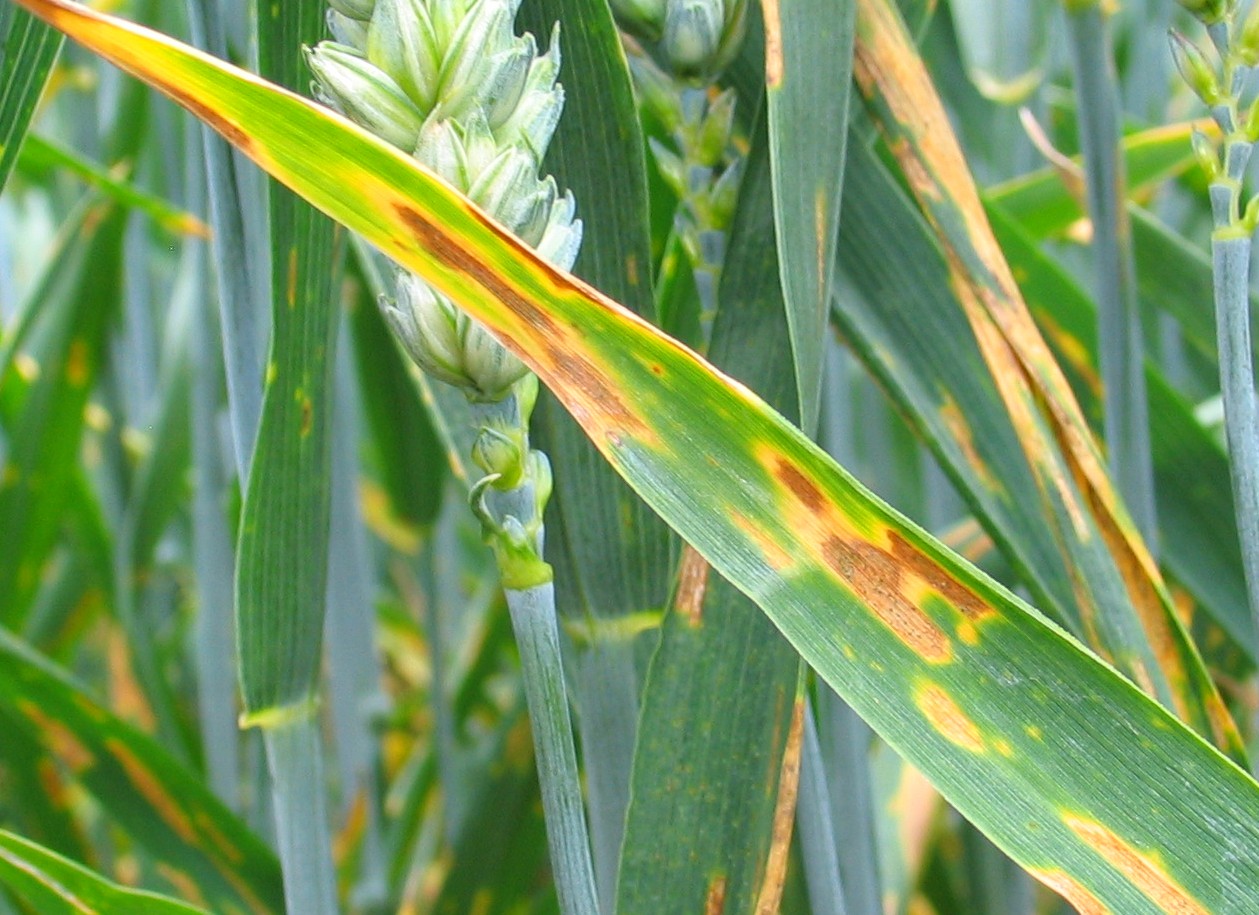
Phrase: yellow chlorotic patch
pixel 775 556
pixel 1002 746
pixel 26 367
pixel 958 428
pixel 968 633
pixel 1072 349
pixel 63 742
pixel 1071 890
pixel 1033 732
pixel 947 717
pixel 1144 870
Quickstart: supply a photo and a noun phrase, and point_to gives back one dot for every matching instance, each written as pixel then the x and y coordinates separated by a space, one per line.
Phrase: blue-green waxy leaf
pixel 719 736
pixel 808 69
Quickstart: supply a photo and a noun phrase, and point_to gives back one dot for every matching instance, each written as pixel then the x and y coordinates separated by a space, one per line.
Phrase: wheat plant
pixel 627 456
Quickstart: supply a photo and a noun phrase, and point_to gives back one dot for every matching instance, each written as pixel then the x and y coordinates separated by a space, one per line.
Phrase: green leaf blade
pixel 809 68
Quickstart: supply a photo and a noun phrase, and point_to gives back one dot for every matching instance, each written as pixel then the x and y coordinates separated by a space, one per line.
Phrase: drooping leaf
pixel 1151 644
pixel 201 846
pixel 59 886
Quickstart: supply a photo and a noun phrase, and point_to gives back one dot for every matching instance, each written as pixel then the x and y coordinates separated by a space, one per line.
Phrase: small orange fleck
pixel 77 363
pixel 63 742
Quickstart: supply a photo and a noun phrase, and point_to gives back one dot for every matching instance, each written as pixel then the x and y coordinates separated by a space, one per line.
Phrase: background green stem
pixel 1231 258
pixel 298 789
pixel 537 635
pixel 1125 411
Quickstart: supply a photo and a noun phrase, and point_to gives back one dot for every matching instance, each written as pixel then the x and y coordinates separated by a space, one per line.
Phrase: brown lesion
pixel 595 403
pixel 1144 870
pixel 802 487
pixel 692 586
pixel 230 131
pixel 878 579
pixel 966 601
pixel 715 897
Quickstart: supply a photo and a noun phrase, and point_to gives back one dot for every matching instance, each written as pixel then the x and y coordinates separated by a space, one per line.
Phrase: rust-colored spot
pixel 62 741
pixel 947 717
pixel 715 898
pixel 1071 890
pixel 770 897
pixel 78 363
pixel 967 602
pixel 876 578
pixel 801 486
pixel 692 585
pixel 657 369
pixel 773 43
pixel 1143 869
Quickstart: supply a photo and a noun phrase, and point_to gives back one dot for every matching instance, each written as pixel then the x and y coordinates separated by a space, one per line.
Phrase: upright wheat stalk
pixel 1228 93
pixel 449 82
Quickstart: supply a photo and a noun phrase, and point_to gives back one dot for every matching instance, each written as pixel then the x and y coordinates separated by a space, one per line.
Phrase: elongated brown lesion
pixel 878 580
pixel 553 349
